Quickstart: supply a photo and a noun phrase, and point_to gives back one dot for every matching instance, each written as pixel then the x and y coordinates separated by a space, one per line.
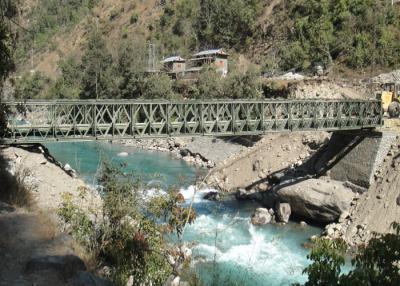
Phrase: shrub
pixel 129 234
pixel 377 263
pixel 134 18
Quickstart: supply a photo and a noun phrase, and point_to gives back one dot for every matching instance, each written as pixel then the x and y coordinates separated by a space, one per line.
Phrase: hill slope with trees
pixel 57 41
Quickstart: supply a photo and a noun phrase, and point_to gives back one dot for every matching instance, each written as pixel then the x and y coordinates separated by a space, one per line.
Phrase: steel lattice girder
pixel 36 121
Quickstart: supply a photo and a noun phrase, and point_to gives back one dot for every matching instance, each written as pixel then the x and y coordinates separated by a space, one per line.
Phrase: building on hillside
pixel 174 65
pixel 217 58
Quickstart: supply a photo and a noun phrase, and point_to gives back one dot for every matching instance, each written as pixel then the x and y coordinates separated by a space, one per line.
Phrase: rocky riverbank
pixel 33 248
pixel 205 152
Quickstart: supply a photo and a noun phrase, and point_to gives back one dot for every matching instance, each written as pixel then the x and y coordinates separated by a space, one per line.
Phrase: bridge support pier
pixel 355 156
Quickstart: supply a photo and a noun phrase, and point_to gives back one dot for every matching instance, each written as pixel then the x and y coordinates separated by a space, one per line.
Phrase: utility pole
pixel 151 65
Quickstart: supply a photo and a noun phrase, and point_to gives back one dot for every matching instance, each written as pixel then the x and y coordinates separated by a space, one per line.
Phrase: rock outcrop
pixel 316 199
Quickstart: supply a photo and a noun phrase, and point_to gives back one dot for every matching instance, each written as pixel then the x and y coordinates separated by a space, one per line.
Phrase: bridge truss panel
pixel 35 121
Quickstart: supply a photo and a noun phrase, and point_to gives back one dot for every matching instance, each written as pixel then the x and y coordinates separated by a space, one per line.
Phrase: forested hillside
pixel 87 48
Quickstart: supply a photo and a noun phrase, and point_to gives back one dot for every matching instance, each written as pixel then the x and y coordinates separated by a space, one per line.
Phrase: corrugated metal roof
pixel 210 52
pixel 173 59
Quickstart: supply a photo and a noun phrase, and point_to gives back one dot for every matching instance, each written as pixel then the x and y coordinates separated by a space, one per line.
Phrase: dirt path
pixel 26 234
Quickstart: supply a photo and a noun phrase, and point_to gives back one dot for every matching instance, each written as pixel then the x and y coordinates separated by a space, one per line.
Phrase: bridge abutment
pixel 355 156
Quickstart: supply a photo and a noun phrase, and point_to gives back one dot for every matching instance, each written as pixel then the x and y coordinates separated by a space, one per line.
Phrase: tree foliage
pixel 378 263
pixel 357 33
pixel 49 17
pixel 8 11
pixel 129 233
pixel 227 23
pixel 97 74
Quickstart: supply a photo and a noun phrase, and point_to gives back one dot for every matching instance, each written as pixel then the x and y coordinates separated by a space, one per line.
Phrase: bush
pixel 158 86
pixel 32 86
pixel 129 234
pixel 378 263
pixel 134 18
pixel 242 84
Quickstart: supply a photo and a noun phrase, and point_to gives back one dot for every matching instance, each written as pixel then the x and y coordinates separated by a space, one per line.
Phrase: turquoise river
pixel 227 247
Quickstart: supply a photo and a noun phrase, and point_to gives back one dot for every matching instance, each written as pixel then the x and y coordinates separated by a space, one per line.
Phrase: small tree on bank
pixel 378 263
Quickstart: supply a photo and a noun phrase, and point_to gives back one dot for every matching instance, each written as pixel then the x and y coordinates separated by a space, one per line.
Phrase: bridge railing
pixel 33 121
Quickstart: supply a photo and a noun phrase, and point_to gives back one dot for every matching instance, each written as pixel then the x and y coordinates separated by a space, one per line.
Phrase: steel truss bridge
pixel 42 121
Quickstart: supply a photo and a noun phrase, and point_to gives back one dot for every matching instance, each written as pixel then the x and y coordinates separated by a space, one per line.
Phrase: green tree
pixel 8 11
pixel 130 67
pixel 158 86
pixel 209 84
pixel 227 23
pixel 32 86
pixel 242 84
pixel 68 85
pixel 377 263
pixel 97 77
pixel 130 233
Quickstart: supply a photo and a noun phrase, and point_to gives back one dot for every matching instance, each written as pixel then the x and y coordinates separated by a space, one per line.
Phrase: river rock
pixel 243 195
pixel 263 187
pixel 261 217
pixel 184 152
pixel 316 199
pixel 283 212
pixel 67 265
pixel 70 171
pixel 212 196
pixel 123 154
pixel 173 281
pixel 186 252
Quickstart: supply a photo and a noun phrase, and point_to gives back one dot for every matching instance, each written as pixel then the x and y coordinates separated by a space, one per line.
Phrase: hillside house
pixel 174 65
pixel 217 58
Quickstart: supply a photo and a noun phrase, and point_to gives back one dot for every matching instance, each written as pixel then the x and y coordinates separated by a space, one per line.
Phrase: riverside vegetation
pixel 128 234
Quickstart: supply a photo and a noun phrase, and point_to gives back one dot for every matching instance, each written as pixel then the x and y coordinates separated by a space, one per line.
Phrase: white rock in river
pixel 261 217
pixel 283 212
pixel 123 154
pixel 68 168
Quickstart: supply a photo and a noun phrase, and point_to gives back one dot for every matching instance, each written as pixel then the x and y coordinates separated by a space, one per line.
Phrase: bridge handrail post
pixel 262 117
pixel 200 112
pixel 53 119
pixel 167 112
pixel 290 123
pixel 94 115
pixel 233 124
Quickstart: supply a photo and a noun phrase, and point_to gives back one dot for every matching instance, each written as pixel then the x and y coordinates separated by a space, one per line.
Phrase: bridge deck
pixel 41 121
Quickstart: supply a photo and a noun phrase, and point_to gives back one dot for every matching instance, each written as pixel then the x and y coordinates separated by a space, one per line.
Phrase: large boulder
pixel 261 217
pixel 283 212
pixel 316 199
